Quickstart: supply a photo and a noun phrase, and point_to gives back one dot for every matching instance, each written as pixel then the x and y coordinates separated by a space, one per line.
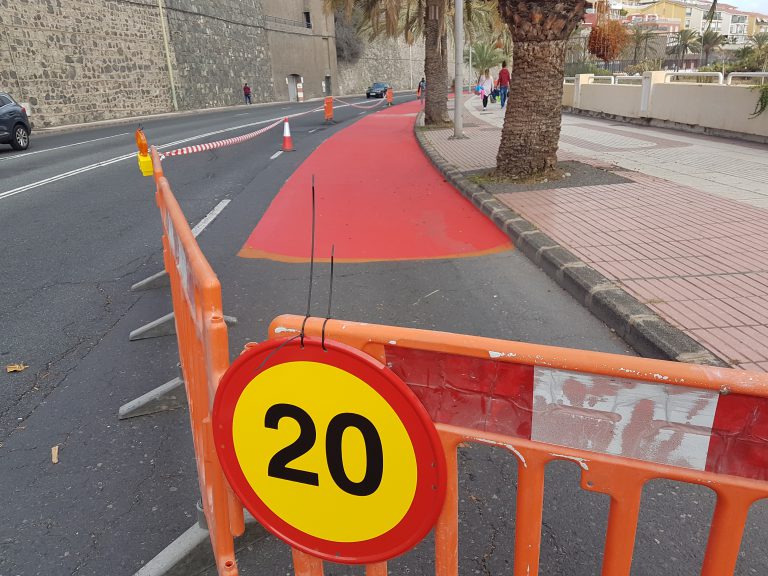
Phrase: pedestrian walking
pixel 503 83
pixel 247 93
pixel 422 89
pixel 485 83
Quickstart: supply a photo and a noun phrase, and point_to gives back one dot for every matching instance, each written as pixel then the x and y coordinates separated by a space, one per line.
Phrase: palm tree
pixel 539 30
pixel 759 44
pixel 485 56
pixel 711 40
pixel 410 18
pixel 436 62
pixel 639 38
pixel 687 41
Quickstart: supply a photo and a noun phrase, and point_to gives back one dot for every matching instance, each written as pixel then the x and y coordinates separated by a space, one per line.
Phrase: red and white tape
pixel 219 143
pixel 657 422
pixel 363 106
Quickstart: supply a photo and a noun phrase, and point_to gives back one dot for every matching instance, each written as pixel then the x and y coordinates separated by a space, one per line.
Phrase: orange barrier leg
pixel 447 529
pixel 530 503
pixel 725 536
pixel 379 569
pixel 306 565
pixel 622 526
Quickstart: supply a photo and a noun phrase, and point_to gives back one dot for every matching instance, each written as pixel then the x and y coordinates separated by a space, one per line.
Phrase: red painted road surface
pixel 378 198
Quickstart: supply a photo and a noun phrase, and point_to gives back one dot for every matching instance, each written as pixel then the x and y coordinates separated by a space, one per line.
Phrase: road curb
pixel 647 332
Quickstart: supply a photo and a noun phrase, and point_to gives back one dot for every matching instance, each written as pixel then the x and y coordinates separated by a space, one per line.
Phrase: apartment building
pixel 737 25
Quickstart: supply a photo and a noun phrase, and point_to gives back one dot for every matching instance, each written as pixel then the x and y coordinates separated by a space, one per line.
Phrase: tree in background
pixel 759 45
pixel 539 30
pixel 711 40
pixel 686 41
pixel 607 40
pixel 410 18
pixel 485 56
pixel 640 40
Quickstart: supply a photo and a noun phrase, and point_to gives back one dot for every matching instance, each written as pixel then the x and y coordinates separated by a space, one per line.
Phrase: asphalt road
pixel 79 226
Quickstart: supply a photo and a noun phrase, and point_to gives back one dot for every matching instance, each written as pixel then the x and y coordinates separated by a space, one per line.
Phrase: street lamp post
pixel 458 37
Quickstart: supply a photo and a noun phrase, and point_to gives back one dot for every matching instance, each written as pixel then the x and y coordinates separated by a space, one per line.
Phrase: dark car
pixel 14 123
pixel 378 90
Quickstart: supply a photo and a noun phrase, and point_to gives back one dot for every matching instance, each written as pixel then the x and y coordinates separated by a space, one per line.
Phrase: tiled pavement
pixel 687 235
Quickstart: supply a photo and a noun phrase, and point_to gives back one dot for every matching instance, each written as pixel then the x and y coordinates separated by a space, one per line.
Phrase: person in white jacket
pixel 486 86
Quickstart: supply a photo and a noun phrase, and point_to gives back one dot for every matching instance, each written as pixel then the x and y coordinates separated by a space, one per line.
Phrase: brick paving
pixel 693 247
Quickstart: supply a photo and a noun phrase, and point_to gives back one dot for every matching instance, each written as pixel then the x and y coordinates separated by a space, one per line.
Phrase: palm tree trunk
pixel 436 64
pixel 532 121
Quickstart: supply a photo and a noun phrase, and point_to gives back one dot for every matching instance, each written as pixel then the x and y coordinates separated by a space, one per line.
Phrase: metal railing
pixel 286 22
pixel 629 79
pixel 745 75
pixel 718 75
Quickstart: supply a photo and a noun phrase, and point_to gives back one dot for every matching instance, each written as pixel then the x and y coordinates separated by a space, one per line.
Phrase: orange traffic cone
pixel 287 140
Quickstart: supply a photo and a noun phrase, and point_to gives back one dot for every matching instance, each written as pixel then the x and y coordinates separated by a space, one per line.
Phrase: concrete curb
pixel 639 326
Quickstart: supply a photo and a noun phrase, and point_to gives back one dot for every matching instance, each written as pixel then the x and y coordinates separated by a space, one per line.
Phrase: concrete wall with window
pixel 302 42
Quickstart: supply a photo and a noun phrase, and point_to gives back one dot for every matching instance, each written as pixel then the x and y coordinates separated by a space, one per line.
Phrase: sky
pixel 750 5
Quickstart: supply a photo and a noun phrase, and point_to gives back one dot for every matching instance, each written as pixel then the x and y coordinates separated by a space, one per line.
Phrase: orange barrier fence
pixel 390 96
pixel 204 353
pixel 624 420
pixel 328 109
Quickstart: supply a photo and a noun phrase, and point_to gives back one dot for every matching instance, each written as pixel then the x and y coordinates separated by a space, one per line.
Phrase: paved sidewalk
pixel 684 233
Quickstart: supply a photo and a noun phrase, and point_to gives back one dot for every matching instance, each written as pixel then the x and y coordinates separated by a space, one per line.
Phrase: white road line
pixel 39 183
pixel 17 156
pixel 313 131
pixel 209 218
pixel 360 113
pixel 276 154
pixel 64 175
pixel 242 114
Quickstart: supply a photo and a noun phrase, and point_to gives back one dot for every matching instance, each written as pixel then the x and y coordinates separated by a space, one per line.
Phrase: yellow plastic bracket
pixel 145 164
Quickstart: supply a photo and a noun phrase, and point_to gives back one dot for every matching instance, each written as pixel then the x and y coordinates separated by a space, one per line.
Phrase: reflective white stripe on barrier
pixel 659 423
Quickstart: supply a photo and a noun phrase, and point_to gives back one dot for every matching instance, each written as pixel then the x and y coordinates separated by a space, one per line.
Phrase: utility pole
pixel 458 101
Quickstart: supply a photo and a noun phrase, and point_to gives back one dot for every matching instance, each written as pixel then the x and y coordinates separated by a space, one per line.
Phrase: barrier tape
pixel 363 106
pixel 219 143
pixel 230 141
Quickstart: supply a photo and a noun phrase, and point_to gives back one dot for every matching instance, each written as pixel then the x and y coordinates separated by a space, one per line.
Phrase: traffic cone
pixel 287 140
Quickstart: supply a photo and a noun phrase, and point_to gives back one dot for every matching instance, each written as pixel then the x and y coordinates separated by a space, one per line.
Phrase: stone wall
pixel 387 60
pixel 87 60
pixel 83 60
pixel 219 45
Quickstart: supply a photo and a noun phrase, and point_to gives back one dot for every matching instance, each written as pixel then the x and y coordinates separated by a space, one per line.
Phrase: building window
pixel 308 19
pixel 687 23
pixel 688 11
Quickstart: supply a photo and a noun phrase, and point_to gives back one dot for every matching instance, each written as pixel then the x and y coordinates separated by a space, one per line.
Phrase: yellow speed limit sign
pixel 329 450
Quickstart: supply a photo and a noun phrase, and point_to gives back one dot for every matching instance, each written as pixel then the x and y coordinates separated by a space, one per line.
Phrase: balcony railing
pixel 286 22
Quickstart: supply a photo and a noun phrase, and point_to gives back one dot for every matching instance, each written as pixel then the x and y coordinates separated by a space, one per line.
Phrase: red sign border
pixel 431 481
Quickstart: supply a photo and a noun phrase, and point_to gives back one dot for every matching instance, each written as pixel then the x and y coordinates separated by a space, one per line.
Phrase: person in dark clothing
pixel 503 83
pixel 247 93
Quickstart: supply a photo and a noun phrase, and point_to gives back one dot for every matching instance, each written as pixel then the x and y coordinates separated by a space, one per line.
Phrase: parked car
pixel 377 89
pixel 14 123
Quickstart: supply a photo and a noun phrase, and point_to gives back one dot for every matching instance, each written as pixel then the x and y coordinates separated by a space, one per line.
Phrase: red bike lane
pixel 378 198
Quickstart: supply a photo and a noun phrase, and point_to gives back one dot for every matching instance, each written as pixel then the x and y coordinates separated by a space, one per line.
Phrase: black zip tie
pixel 311 265
pixel 330 300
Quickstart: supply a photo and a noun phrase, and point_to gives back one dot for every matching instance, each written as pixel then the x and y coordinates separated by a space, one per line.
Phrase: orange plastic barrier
pixel 624 420
pixel 390 96
pixel 204 354
pixel 329 109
